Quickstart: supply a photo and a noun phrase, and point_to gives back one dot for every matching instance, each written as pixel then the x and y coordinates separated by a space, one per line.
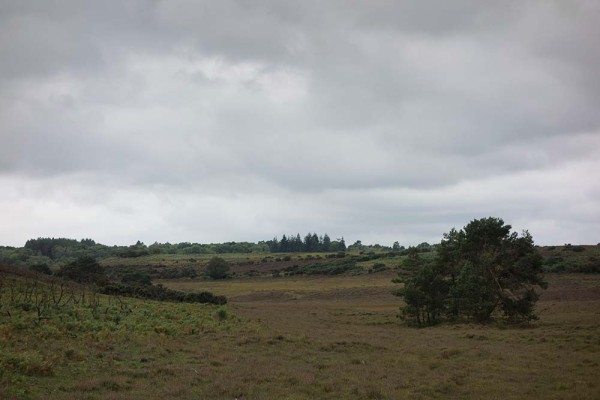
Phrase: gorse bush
pixel 333 268
pixel 217 268
pixel 137 278
pixel 84 270
pixel 41 268
pixel 161 293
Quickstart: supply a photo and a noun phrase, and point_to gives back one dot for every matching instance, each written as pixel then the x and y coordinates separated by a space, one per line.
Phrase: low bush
pixel 323 269
pixel 161 293
pixel 41 268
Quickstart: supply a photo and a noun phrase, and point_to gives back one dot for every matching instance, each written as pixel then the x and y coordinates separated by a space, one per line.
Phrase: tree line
pixel 312 243
pixel 56 248
pixel 64 248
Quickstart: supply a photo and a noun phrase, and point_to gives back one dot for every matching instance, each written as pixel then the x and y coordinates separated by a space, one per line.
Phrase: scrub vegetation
pixel 306 325
pixel 66 340
pixel 299 337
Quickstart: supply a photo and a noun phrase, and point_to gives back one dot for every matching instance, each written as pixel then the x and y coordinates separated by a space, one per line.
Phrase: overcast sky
pixel 214 121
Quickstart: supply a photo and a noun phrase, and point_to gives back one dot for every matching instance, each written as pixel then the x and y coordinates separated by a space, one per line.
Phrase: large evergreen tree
pixel 284 244
pixel 486 270
pixel 297 247
pixel 326 243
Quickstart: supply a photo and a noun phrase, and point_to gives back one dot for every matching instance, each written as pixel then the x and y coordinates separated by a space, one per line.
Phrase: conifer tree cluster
pixel 312 243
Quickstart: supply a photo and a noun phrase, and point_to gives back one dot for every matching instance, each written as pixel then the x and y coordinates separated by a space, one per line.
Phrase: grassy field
pixel 339 337
pixel 298 286
pixel 300 338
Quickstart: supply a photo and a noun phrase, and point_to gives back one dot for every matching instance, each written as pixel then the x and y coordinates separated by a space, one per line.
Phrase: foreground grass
pixel 93 346
pixel 308 338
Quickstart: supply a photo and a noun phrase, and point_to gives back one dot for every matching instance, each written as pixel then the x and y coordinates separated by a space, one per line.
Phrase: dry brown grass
pixel 300 286
pixel 340 338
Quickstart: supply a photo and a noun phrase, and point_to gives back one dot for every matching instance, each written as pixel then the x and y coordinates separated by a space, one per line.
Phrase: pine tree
pixel 480 272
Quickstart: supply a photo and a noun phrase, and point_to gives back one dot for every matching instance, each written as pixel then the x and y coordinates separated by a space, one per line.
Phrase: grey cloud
pixel 289 101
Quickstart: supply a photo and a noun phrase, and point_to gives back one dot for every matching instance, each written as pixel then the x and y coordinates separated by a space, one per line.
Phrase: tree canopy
pixel 312 243
pixel 481 271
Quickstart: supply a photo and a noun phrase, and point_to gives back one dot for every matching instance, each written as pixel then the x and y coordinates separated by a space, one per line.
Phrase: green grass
pixel 299 338
pixel 54 351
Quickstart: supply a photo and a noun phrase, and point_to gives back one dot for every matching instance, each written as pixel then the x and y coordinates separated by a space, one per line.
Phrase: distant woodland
pixel 55 250
pixel 61 251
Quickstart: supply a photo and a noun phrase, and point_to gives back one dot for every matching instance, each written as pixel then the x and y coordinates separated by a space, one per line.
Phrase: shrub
pixel 137 278
pixel 222 314
pixel 162 293
pixel 41 268
pixel 335 268
pixel 84 270
pixel 217 268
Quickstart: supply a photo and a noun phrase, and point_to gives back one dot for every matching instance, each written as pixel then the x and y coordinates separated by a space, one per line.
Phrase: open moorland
pixel 294 337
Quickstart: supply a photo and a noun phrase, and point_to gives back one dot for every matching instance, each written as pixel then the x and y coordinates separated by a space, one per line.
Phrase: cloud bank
pixel 380 121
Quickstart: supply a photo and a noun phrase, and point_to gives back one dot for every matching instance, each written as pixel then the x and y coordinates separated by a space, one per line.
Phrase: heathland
pixel 301 325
